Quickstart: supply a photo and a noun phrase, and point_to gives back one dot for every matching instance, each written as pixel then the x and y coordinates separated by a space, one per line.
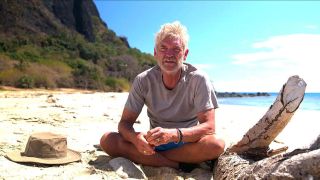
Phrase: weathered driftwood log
pixel 239 161
pixel 277 117
pixel 283 166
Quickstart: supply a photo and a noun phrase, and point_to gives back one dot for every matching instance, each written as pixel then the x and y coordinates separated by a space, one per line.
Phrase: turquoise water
pixel 311 101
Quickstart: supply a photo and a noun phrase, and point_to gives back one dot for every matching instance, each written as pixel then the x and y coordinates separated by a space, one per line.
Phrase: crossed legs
pixel 207 148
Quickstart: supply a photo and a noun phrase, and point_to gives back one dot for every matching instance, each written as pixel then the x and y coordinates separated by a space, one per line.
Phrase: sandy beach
pixel 83 116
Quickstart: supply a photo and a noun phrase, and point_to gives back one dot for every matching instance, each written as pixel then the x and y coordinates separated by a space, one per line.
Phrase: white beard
pixel 171 71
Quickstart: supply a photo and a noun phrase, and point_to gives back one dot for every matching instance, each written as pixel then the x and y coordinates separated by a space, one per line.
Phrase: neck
pixel 170 80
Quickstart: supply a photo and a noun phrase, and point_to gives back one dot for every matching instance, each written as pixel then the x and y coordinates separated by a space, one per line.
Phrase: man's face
pixel 170 54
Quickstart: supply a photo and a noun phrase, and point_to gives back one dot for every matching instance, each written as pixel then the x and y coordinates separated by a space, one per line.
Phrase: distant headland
pixel 236 94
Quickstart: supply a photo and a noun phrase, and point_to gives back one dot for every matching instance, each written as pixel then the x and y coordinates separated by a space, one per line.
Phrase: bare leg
pixel 113 144
pixel 207 148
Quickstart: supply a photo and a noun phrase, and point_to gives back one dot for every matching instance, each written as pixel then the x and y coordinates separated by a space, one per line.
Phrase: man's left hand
pixel 158 136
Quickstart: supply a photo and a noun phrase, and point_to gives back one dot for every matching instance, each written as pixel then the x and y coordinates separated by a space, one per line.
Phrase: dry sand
pixel 83 116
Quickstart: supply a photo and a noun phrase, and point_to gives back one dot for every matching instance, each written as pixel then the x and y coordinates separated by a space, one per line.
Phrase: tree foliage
pixel 72 61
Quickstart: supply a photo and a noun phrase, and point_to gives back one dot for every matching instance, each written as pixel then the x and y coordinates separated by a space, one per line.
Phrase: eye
pixel 177 50
pixel 162 48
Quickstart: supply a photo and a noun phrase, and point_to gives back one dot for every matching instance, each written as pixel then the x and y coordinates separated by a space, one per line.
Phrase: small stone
pixel 126 168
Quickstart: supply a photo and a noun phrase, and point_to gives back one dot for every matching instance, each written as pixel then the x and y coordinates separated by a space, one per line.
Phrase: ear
pixel 154 52
pixel 185 54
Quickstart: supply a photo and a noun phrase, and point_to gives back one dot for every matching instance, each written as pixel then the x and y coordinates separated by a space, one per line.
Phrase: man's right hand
pixel 142 145
pixel 127 131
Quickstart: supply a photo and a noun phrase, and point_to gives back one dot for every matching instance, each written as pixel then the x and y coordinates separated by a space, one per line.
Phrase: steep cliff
pixel 49 17
pixel 68 40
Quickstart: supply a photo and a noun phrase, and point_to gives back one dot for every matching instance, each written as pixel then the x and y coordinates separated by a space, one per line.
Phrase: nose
pixel 170 53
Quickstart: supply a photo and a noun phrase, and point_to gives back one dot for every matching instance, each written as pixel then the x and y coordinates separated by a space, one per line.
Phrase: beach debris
pixel 105 114
pixel 276 118
pixel 51 99
pixel 58 106
pixel 249 158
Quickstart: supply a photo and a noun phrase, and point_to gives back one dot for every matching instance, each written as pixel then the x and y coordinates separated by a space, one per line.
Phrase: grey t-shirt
pixel 176 108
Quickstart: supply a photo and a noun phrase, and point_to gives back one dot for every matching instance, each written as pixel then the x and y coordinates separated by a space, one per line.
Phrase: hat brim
pixel 72 156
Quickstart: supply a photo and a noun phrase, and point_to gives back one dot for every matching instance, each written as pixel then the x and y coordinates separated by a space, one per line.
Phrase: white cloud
pixel 278 58
pixel 312 27
pixel 290 48
pixel 204 66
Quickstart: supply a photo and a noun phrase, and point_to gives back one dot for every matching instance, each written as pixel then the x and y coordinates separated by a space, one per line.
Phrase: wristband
pixel 180 136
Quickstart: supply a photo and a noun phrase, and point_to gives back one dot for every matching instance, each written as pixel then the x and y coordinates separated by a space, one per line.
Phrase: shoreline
pixel 310 101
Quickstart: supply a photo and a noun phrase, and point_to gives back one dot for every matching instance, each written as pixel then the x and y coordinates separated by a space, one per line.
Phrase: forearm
pixel 206 127
pixel 125 126
pixel 195 133
pixel 127 131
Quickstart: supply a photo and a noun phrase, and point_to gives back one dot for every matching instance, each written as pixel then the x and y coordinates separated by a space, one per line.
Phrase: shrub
pixel 61 41
pixel 3 47
pixel 58 66
pixel 111 82
pixel 5 63
pixel 9 77
pixel 30 53
pixel 86 74
pixel 123 84
pixel 25 82
pixel 117 84
pixel 87 52
pixel 43 76
pixel 44 82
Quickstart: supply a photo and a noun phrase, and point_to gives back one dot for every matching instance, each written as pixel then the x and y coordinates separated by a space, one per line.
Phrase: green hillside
pixel 64 44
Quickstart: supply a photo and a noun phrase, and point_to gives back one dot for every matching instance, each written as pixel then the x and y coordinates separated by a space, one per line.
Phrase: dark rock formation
pixel 125 41
pixel 49 17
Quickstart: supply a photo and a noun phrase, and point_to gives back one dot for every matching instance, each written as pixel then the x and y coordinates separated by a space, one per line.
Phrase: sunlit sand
pixel 85 115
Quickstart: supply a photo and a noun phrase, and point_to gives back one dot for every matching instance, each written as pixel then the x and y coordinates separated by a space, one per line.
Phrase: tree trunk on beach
pixel 252 157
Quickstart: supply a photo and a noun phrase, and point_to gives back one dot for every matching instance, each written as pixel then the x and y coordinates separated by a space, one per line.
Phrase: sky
pixel 244 46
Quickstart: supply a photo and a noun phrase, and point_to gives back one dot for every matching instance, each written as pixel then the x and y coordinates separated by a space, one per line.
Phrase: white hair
pixel 174 29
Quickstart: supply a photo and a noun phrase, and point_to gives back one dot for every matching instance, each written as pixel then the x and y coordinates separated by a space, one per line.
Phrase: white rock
pixel 126 168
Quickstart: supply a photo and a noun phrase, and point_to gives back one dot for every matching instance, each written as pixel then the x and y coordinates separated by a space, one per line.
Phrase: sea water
pixel 311 101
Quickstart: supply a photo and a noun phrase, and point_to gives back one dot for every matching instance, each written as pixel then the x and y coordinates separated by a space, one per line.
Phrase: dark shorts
pixel 171 145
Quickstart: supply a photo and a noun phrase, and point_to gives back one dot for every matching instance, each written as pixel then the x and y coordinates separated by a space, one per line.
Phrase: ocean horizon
pixel 311 101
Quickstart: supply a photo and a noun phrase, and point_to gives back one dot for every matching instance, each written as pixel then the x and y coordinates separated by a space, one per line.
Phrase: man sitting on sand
pixel 181 107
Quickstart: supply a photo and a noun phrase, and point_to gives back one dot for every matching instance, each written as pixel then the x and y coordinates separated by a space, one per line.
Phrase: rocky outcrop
pixel 49 17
